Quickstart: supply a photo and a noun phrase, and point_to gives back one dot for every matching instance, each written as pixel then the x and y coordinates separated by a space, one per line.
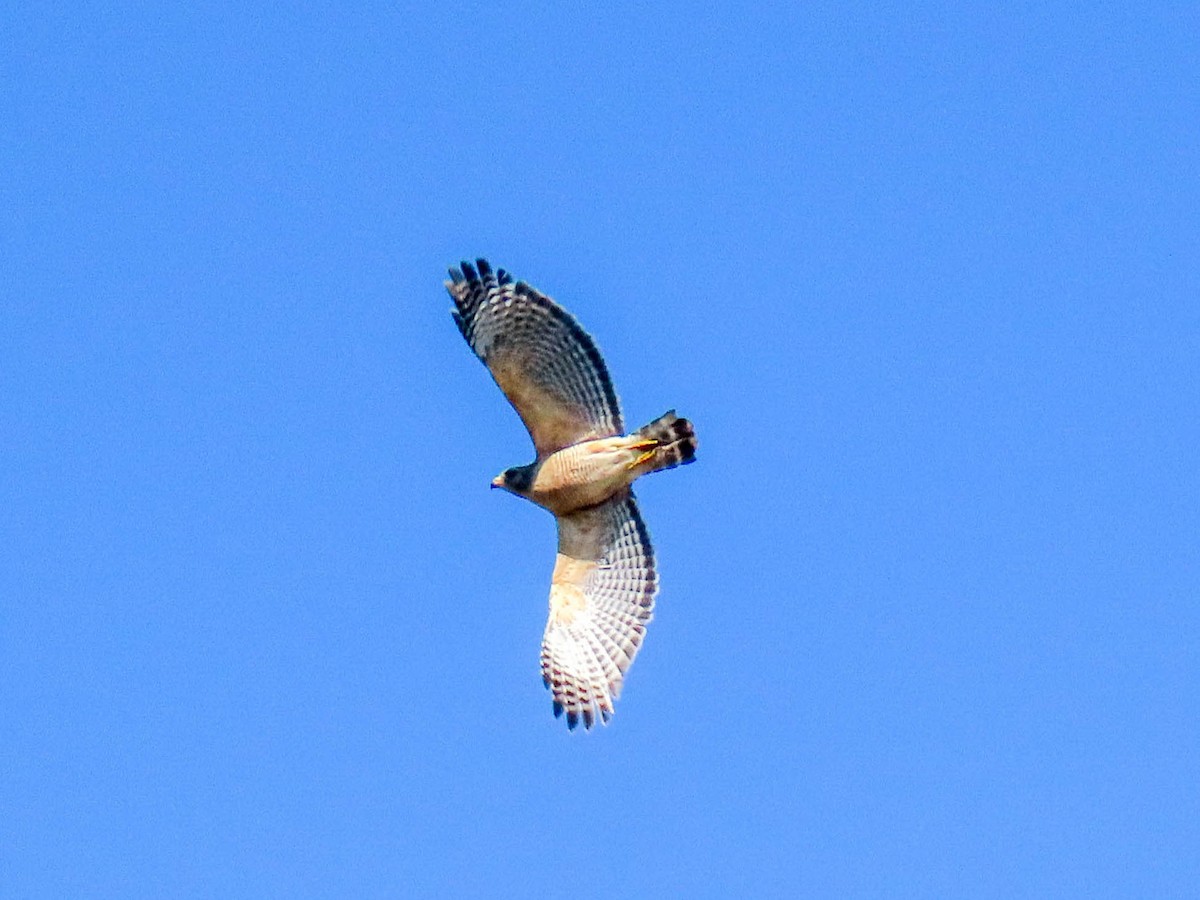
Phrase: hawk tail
pixel 676 441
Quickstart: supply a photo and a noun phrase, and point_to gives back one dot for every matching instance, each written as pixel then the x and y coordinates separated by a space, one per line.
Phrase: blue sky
pixel 925 276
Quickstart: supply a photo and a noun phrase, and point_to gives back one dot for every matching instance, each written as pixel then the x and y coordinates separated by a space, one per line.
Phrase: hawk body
pixel 581 475
pixel 604 581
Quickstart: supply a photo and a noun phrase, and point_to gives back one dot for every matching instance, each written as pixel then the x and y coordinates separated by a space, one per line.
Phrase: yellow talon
pixel 647 444
pixel 645 457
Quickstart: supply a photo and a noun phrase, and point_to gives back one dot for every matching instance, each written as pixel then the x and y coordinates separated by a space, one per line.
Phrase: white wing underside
pixel 601 599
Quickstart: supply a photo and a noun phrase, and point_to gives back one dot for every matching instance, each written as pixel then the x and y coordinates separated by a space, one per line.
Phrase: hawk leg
pixel 646 456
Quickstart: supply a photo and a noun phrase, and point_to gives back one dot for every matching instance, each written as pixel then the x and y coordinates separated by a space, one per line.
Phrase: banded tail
pixel 675 438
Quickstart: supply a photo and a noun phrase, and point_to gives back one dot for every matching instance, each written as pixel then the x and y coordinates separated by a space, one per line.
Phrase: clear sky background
pixel 924 275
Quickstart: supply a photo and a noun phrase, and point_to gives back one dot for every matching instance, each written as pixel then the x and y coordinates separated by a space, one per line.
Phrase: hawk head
pixel 518 479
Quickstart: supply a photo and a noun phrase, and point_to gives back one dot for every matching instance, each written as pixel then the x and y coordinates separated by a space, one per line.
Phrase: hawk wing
pixel 546 364
pixel 601 599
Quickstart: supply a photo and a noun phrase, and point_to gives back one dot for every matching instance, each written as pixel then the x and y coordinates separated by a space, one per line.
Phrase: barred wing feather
pixel 601 600
pixel 545 363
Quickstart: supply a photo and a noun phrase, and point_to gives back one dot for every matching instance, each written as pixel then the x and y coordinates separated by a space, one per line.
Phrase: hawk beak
pixel 498 481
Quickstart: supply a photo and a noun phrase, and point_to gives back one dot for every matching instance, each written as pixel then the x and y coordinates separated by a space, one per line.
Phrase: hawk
pixel 604 582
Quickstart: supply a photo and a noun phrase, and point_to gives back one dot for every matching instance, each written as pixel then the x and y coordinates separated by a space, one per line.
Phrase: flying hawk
pixel 604 582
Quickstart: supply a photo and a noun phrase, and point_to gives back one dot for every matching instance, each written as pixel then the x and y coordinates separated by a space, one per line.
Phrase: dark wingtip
pixel 572 719
pixel 469 271
pixel 456 274
pixel 589 717
pixel 484 269
pixel 558 708
pixel 502 277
